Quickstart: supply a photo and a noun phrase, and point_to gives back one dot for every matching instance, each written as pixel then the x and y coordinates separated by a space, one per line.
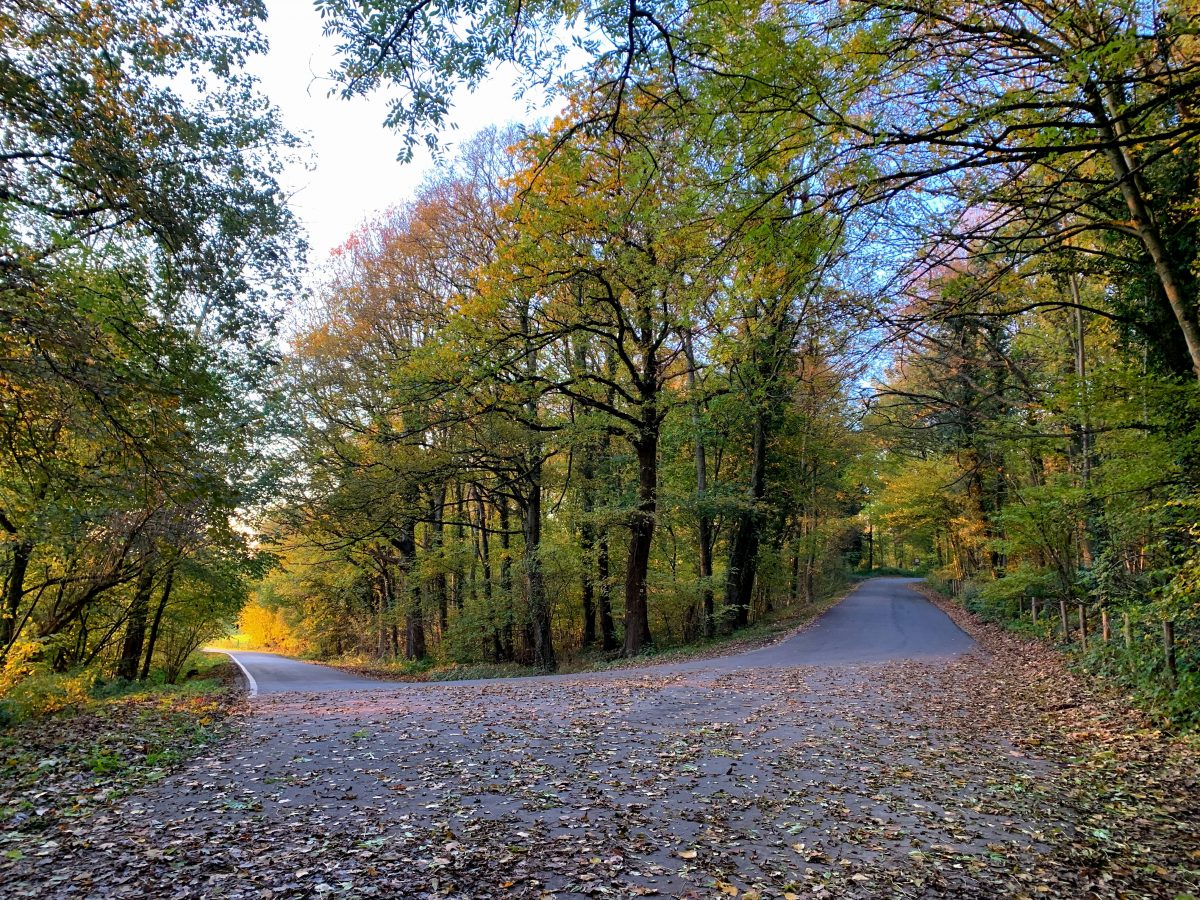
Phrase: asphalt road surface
pixel 883 620
pixel 869 755
pixel 267 673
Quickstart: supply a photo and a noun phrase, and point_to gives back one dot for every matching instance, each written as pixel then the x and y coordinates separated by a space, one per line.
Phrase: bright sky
pixel 355 173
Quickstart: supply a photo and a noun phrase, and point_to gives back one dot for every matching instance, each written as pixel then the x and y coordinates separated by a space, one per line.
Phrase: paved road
pixel 883 620
pixel 268 673
pixel 866 756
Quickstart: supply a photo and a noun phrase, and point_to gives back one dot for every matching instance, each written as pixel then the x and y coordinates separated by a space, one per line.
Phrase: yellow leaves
pixel 687 854
pixel 267 628
pixel 726 889
pixel 19 663
pixel 924 495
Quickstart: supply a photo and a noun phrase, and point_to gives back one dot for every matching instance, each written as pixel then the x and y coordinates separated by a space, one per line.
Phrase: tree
pixel 141 230
pixel 612 242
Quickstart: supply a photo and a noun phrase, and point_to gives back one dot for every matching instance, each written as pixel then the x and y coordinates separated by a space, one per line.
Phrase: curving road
pixel 865 756
pixel 268 673
pixel 883 620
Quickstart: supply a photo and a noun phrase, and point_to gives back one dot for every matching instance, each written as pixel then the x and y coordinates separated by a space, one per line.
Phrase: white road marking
pixel 249 678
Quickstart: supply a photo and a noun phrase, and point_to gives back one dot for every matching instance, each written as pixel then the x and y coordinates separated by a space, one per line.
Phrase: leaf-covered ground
pixel 57 770
pixel 995 774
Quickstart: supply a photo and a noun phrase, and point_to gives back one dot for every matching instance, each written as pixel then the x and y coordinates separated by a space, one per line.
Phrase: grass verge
pixel 67 764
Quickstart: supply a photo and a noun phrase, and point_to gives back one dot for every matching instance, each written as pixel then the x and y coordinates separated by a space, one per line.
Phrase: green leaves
pixel 141 232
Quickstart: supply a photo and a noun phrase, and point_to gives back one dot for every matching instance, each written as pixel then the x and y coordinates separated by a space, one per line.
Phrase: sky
pixel 353 172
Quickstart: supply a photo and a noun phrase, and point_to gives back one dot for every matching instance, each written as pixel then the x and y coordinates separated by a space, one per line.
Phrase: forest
pixel 785 294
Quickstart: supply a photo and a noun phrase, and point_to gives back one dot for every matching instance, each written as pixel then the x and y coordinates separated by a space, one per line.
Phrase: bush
pixel 1003 599
pixel 943 581
pixel 1141 669
pixel 885 572
pixel 44 692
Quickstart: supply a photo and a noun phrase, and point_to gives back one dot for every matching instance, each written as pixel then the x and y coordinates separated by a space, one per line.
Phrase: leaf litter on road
pixel 961 778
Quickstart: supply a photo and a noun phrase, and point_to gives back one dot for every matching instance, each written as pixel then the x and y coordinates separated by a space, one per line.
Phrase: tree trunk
pixel 810 563
pixel 608 625
pixel 612 488
pixel 379 591
pixel 437 533
pixel 1168 632
pixel 507 640
pixel 539 606
pixel 414 623
pixel 163 600
pixel 1148 233
pixel 1090 528
pixel 587 502
pixel 484 552
pixel 641 535
pixel 457 595
pixel 743 551
pixel 394 619
pixel 14 592
pixel 538 631
pixel 389 627
pixel 587 548
pixel 704 521
pixel 587 585
pixel 135 625
pixel 414 627
pixel 794 579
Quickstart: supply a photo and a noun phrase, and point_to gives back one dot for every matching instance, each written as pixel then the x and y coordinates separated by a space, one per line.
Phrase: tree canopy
pixel 142 237
pixel 783 294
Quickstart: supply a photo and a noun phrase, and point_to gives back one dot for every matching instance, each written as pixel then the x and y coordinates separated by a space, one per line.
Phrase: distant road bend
pixel 884 619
